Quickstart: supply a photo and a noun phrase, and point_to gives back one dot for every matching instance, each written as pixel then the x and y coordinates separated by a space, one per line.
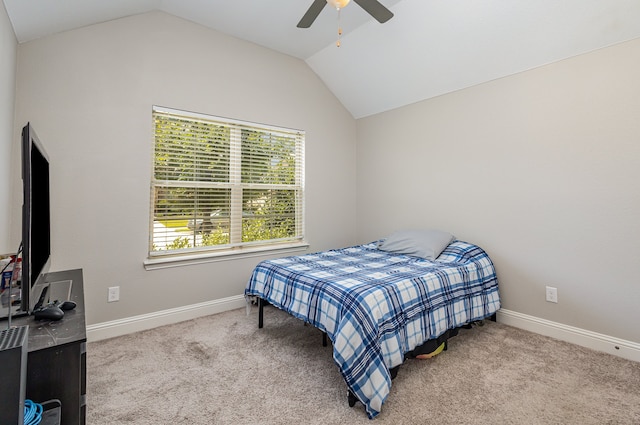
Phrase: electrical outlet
pixel 552 294
pixel 114 294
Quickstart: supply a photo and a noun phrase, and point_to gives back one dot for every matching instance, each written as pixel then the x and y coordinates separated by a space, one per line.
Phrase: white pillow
pixel 419 243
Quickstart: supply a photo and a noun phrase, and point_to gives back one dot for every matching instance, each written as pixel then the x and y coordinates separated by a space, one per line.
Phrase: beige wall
pixel 89 94
pixel 542 169
pixel 8 47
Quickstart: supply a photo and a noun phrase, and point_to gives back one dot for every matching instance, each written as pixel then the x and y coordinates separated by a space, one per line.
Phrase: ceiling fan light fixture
pixel 338 4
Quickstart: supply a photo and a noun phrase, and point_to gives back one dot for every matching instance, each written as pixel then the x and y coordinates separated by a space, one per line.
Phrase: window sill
pixel 210 257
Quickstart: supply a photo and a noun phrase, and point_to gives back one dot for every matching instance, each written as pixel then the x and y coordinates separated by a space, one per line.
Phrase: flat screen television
pixel 36 222
pixel 36 218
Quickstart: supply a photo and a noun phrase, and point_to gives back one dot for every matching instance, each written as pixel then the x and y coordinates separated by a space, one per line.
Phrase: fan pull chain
pixel 339 29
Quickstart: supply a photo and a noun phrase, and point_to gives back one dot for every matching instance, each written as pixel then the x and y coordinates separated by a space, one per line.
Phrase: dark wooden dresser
pixel 56 363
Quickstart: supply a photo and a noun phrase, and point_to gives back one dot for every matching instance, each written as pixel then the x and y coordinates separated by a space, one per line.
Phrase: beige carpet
pixel 222 369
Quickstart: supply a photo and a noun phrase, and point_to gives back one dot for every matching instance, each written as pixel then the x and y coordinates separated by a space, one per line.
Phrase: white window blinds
pixel 221 184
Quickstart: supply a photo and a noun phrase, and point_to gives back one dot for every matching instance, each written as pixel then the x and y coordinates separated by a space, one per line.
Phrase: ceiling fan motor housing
pixel 338 4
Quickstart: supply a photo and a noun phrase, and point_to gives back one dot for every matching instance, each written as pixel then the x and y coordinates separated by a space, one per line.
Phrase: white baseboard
pixel 619 347
pixel 160 318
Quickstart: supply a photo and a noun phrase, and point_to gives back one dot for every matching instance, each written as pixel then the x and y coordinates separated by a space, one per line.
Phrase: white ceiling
pixel 430 47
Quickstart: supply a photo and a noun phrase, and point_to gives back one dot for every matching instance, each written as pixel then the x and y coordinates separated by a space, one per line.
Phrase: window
pixel 222 185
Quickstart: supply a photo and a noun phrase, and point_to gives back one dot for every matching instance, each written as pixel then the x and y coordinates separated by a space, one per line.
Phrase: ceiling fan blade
pixel 376 9
pixel 312 13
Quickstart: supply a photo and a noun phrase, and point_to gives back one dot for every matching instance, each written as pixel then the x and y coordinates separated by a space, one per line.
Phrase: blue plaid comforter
pixel 375 306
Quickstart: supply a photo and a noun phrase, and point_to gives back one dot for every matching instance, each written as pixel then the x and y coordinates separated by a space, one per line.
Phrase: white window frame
pixel 162 258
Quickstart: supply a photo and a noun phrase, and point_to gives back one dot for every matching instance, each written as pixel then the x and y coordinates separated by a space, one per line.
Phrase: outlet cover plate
pixel 114 294
pixel 552 294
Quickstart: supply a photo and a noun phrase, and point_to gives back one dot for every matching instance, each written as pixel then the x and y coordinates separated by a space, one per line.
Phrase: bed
pixel 376 306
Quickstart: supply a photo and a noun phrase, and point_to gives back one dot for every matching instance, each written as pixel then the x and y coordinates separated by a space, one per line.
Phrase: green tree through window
pixel 221 184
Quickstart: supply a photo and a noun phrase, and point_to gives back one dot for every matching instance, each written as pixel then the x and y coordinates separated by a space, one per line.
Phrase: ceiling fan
pixel 372 7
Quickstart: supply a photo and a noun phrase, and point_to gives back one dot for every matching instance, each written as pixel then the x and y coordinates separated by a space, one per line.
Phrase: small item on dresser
pixel 6 268
pixel 66 305
pixel 48 312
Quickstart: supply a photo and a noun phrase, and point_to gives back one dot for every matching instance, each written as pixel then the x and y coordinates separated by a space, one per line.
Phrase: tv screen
pixel 36 219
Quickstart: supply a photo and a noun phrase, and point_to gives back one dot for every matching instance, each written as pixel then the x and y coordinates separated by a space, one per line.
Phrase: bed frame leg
pixel 394 371
pixel 324 339
pixel 260 313
pixel 351 398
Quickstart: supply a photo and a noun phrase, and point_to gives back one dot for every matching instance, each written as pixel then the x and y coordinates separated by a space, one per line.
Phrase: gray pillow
pixel 419 243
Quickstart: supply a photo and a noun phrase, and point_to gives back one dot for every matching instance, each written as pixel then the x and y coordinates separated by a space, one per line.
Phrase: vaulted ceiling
pixel 429 48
